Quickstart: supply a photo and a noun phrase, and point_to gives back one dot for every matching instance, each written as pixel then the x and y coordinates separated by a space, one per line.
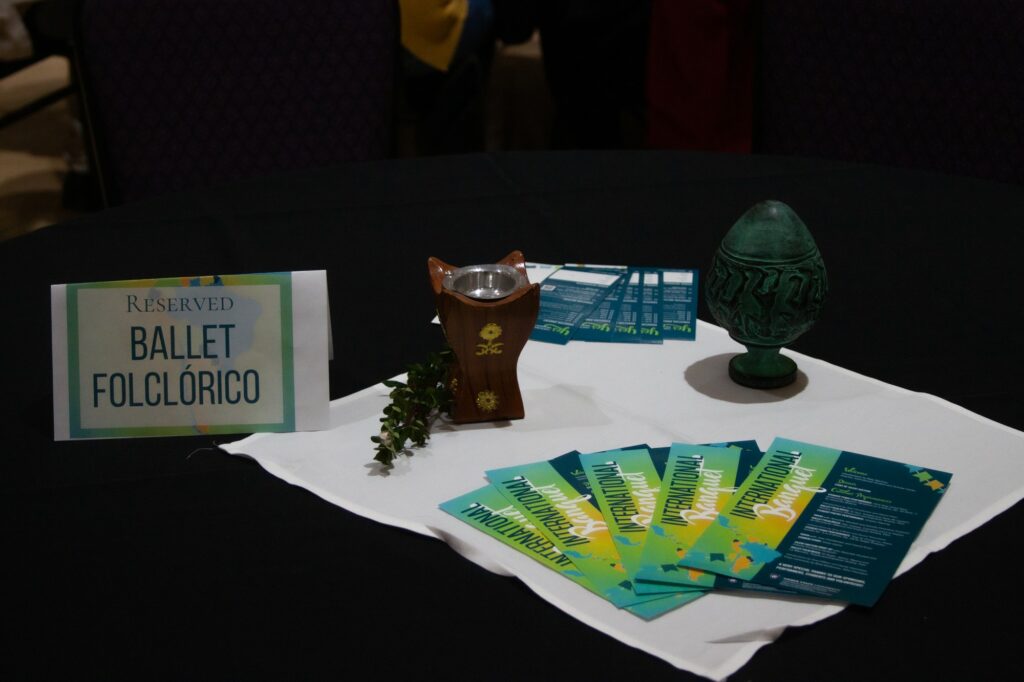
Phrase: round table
pixel 167 557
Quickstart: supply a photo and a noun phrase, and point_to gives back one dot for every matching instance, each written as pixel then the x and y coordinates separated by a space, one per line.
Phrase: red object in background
pixel 700 75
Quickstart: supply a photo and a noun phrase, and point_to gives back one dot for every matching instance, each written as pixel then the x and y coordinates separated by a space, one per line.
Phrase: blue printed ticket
pixel 652 529
pixel 820 521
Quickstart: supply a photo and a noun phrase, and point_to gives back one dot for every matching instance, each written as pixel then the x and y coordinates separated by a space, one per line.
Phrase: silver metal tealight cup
pixel 485 282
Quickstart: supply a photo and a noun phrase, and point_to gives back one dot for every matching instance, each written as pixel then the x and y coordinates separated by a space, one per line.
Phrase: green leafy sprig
pixel 415 404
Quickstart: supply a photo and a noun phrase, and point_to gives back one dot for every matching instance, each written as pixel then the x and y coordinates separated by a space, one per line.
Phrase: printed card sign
pixel 488 510
pixel 654 529
pixel 698 480
pixel 820 521
pixel 192 355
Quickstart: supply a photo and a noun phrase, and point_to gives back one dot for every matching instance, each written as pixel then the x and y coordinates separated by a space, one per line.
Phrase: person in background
pixel 594 55
pixel 448 49
pixel 700 75
pixel 594 58
pixel 644 73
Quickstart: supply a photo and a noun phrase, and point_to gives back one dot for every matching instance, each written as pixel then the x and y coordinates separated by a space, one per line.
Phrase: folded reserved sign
pixel 190 355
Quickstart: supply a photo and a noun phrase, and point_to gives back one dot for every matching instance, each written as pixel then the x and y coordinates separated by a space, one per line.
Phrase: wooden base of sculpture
pixel 487 337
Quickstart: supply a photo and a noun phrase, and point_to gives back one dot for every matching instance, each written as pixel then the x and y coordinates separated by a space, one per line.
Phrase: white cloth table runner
pixel 591 397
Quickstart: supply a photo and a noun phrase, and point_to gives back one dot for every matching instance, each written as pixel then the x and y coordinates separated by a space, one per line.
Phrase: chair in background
pixel 929 84
pixel 182 94
pixel 43 30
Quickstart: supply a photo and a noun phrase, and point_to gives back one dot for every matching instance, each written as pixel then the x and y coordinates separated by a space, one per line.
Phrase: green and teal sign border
pixel 283 280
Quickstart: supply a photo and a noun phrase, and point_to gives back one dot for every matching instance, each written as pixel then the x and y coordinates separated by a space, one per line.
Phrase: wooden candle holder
pixel 486 337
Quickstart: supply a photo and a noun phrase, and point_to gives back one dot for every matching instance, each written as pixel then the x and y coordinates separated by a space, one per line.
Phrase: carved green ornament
pixel 766 287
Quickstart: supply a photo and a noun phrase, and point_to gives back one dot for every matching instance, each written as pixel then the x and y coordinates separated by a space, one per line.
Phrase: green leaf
pixel 414 405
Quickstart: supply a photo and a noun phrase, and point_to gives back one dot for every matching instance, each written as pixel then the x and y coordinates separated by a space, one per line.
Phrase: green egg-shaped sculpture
pixel 766 287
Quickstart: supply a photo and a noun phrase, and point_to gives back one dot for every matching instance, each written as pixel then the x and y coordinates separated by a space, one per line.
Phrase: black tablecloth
pixel 169 558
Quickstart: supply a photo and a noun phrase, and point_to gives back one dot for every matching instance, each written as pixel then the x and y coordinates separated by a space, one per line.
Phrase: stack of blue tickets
pixel 616 304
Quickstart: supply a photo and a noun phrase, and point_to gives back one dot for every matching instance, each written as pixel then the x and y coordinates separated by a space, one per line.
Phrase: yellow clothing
pixel 431 29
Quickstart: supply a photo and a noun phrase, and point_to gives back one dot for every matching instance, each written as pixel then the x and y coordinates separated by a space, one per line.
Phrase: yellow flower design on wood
pixel 489 333
pixel 487 401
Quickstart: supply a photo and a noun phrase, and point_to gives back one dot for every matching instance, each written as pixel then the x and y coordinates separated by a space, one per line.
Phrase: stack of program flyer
pixel 612 303
pixel 653 529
